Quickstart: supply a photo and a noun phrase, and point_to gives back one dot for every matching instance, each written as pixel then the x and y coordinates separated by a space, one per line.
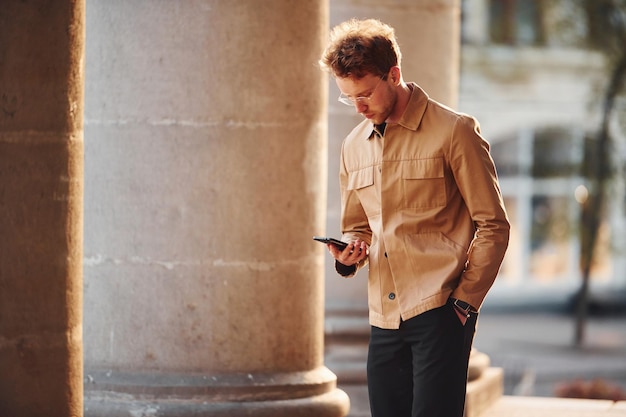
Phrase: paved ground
pixel 537 353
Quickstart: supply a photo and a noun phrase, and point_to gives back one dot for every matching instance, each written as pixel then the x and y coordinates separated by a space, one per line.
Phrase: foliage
pixel 606 21
pixel 597 389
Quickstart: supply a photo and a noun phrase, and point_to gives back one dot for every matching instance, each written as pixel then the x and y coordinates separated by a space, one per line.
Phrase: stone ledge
pixel 484 391
pixel 509 406
pixel 618 409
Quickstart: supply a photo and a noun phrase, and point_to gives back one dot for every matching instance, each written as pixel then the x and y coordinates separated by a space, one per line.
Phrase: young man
pixel 422 206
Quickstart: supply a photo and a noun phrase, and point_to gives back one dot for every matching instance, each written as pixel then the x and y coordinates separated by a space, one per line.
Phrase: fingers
pixel 354 253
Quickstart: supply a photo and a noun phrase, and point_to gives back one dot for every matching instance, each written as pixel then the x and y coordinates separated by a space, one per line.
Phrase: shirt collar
pixel 378 130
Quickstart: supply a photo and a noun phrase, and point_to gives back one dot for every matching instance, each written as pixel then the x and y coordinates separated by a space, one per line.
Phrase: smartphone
pixel 338 243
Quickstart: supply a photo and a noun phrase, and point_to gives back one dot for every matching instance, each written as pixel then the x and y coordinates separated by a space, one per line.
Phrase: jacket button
pixel 392 296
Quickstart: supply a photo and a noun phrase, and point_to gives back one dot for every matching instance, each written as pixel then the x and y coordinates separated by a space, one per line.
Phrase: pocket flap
pixel 423 168
pixel 361 178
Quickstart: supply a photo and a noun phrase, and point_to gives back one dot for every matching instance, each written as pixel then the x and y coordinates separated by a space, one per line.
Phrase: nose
pixel 360 107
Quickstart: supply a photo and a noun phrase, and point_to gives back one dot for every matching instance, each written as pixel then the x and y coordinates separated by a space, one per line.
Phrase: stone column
pixel 205 182
pixel 41 187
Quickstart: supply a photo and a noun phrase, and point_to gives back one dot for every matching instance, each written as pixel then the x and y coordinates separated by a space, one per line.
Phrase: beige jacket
pixel 425 196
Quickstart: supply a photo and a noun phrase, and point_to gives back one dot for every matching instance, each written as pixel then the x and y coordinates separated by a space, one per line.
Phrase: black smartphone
pixel 338 243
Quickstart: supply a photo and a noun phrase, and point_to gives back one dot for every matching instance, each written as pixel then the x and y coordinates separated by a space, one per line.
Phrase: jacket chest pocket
pixel 424 183
pixel 362 182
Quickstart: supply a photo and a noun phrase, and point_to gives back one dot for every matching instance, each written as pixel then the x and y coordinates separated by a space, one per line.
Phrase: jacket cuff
pixel 345 270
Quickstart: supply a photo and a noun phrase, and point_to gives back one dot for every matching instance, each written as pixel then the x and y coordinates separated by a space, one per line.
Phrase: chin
pixel 377 118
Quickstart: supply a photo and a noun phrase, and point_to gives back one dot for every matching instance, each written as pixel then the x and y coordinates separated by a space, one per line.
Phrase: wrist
pixel 345 270
pixel 462 305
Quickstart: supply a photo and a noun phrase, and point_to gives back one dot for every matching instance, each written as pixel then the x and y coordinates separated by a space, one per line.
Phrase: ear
pixel 395 75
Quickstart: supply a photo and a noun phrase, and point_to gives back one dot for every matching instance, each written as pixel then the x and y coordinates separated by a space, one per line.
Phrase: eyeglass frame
pixel 348 101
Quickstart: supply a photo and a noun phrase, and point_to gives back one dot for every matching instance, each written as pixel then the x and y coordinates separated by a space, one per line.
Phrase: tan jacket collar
pixel 412 116
pixel 415 109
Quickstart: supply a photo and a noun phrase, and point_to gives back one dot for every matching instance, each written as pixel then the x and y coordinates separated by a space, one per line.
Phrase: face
pixel 371 96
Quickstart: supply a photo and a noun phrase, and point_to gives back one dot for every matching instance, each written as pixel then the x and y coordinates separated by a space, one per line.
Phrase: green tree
pixel 606 21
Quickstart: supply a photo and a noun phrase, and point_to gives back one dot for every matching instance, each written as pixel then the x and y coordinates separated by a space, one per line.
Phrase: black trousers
pixel 420 370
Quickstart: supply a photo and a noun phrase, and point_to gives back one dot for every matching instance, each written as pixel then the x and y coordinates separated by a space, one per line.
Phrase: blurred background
pixel 546 78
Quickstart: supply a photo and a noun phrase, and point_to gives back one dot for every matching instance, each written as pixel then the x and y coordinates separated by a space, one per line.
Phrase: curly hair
pixel 361 47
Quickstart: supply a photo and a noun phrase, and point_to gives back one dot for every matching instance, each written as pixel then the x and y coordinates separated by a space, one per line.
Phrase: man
pixel 422 206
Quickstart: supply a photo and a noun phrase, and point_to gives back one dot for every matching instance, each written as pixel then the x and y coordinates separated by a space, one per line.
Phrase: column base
pixel 330 404
pixel 299 394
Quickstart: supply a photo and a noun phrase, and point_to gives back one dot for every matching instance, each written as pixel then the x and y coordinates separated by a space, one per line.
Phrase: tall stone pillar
pixel 205 182
pixel 41 187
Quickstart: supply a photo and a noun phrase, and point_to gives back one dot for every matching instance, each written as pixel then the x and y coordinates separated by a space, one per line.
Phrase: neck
pixel 402 100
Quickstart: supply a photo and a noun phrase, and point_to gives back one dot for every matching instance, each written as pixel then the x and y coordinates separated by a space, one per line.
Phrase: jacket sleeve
pixel 354 223
pixel 476 178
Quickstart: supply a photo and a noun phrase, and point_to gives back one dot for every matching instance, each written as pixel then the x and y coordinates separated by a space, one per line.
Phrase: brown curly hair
pixel 361 47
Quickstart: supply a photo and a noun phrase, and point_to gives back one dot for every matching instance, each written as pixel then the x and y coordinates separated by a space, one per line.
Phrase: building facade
pixel 528 76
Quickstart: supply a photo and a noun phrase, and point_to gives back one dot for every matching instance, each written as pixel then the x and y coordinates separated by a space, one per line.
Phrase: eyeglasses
pixel 351 101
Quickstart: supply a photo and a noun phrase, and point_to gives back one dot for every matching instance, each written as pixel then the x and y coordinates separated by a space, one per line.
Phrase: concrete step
pixel 482 393
pixel 510 406
pixel 514 406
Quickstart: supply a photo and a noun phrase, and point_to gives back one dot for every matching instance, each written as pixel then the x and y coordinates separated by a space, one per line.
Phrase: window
pixel 539 173
pixel 515 22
